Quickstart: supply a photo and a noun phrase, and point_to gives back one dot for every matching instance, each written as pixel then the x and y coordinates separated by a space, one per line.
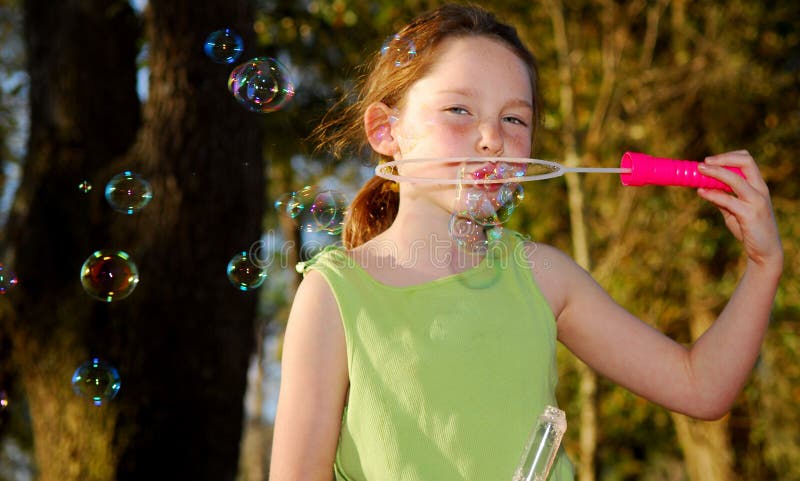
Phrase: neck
pixel 419 238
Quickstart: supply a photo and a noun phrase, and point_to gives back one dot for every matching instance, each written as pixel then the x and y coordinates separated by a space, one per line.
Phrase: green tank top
pixel 448 377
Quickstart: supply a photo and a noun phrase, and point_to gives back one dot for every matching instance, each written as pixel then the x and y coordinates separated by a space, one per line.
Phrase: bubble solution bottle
pixel 542 446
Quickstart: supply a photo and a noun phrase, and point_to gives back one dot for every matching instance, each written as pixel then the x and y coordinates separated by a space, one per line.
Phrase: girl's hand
pixel 748 211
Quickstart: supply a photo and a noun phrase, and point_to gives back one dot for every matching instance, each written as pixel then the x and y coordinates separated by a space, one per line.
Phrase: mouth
pixel 487 172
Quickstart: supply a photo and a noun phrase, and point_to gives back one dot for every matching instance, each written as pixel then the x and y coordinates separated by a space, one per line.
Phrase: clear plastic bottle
pixel 542 446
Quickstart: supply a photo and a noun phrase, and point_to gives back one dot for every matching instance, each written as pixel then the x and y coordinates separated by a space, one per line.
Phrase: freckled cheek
pixel 516 144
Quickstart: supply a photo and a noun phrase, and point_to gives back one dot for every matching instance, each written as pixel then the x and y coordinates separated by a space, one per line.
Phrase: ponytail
pixel 372 211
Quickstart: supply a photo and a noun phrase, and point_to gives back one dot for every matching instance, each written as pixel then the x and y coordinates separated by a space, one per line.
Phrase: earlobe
pixel 378 119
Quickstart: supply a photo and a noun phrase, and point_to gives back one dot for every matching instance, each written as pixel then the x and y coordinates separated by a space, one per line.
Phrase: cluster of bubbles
pixel 244 273
pixel 261 84
pixel 314 210
pixel 482 209
pixel 8 280
pixel 399 49
pixel 96 380
pixel 109 275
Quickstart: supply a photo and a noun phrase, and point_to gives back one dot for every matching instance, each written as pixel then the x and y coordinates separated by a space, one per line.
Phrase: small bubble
pixel 244 274
pixel 399 50
pixel 3 400
pixel 128 192
pixel 85 186
pixel 224 46
pixel 261 85
pixel 8 280
pixel 109 275
pixel 97 381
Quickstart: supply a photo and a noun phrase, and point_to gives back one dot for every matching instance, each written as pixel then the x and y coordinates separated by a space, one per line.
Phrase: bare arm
pixel 314 384
pixel 703 380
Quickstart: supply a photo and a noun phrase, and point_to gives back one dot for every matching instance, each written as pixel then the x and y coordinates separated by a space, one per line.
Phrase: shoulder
pixel 555 272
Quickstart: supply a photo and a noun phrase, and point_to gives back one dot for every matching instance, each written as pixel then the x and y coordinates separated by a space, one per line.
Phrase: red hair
pixel 342 129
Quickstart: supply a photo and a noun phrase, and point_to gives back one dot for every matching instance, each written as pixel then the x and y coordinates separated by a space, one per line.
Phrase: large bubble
pixel 223 46
pixel 109 275
pixel 261 85
pixel 97 381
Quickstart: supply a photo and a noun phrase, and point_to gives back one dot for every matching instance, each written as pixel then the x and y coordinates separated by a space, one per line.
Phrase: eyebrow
pixel 468 92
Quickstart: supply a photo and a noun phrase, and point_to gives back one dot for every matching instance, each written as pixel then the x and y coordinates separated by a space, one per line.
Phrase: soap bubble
pixel 96 380
pixel 400 50
pixel 481 206
pixel 85 186
pixel 128 192
pixel 261 85
pixel 8 280
pixel 109 275
pixel 223 46
pixel 470 235
pixel 314 210
pixel 465 231
pixel 328 210
pixel 3 400
pixel 244 274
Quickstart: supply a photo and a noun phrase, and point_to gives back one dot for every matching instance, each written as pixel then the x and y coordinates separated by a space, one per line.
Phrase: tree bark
pixel 182 340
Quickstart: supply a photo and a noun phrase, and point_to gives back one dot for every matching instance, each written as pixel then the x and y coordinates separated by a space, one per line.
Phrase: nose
pixel 491 138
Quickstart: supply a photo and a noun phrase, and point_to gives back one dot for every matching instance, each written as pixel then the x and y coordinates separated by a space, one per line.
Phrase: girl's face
pixel 476 101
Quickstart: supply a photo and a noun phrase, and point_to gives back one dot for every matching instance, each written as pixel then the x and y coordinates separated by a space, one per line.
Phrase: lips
pixel 487 172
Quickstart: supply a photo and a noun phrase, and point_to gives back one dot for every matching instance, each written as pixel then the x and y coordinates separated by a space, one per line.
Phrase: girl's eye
pixel 515 120
pixel 457 110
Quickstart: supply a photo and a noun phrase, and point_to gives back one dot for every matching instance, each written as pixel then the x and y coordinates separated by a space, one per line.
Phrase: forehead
pixel 479 62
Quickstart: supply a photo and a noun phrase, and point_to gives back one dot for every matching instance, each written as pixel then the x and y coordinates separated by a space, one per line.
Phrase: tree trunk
pixel 706 445
pixel 182 340
pixel 84 112
pixel 580 243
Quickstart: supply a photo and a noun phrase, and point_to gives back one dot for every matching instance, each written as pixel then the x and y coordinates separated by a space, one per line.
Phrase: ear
pixel 378 119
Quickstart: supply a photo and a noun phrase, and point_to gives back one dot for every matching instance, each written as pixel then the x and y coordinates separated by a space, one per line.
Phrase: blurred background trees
pixel 671 78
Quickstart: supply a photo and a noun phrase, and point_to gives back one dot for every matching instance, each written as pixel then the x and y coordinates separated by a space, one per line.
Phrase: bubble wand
pixel 635 169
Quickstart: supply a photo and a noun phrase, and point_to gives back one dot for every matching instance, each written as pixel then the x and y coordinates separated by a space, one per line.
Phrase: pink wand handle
pixel 648 170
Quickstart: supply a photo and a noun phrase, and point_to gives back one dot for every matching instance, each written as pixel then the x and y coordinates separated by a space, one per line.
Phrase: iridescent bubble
pixel 245 274
pixel 85 186
pixel 8 280
pixel 328 210
pixel 223 46
pixel 505 170
pixel 261 85
pixel 96 380
pixel 481 206
pixel 467 233
pixel 400 50
pixel 511 193
pixel 508 198
pixel 3 400
pixel 109 275
pixel 128 192
pixel 300 201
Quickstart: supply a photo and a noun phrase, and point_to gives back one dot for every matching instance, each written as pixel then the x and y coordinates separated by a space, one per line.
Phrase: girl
pixel 397 367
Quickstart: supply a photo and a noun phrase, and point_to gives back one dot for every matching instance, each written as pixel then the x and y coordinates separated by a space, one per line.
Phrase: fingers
pixel 714 166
